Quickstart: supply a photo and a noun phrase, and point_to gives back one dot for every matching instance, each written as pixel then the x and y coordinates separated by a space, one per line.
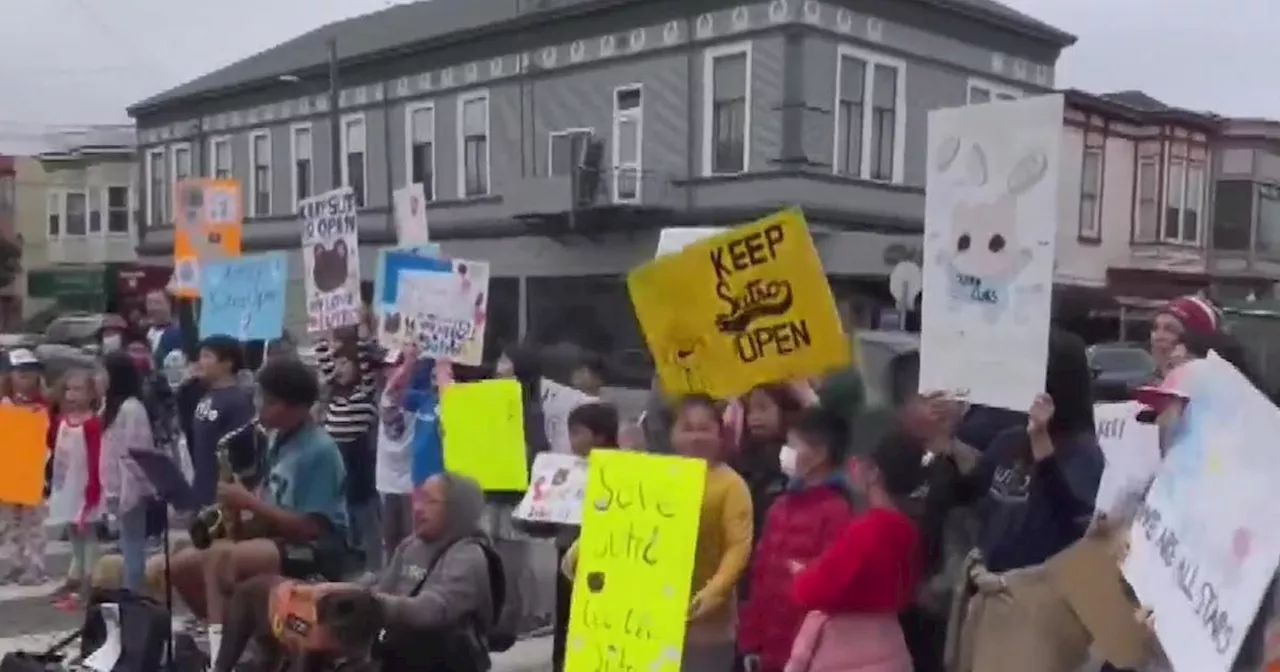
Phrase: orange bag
pixel 294 620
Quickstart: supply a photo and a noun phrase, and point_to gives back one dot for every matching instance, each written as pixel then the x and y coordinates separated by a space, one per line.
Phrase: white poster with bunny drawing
pixel 331 260
pixel 991 216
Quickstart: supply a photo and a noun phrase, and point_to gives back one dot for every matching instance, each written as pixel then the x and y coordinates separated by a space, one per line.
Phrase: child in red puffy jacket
pixel 854 591
pixel 802 522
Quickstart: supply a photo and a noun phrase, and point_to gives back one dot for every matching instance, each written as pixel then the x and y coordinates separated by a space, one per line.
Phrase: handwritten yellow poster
pixel 635 562
pixel 26 450
pixel 208 226
pixel 739 309
pixel 482 428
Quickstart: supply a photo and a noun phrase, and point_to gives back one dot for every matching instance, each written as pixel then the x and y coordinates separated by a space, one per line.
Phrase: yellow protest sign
pixel 635 562
pixel 739 309
pixel 26 450
pixel 482 428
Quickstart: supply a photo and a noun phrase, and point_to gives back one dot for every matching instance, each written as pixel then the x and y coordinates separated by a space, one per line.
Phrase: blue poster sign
pixel 244 296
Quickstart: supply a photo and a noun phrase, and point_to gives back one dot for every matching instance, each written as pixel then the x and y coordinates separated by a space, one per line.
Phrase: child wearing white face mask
pixel 802 522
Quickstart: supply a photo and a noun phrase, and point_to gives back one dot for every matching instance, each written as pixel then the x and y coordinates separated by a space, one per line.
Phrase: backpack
pixel 464 649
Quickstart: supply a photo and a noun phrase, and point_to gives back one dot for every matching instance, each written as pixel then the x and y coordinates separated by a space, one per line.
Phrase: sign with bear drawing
pixel 991 216
pixel 331 260
pixel 744 307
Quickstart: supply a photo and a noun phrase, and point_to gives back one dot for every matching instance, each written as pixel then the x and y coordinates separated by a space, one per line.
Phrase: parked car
pixel 74 329
pixel 1118 368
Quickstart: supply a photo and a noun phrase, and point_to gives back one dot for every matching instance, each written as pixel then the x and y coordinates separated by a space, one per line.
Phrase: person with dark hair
pixel 768 411
pixel 1035 488
pixel 588 375
pixel 350 414
pixel 300 510
pixel 157 395
pixel 852 593
pixel 111 333
pixel 225 407
pixel 129 494
pixel 802 522
pixel 724 539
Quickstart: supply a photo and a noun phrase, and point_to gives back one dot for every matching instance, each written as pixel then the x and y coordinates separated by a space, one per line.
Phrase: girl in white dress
pixel 75 492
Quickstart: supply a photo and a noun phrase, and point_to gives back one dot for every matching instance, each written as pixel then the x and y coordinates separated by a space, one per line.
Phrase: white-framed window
pixel 53 214
pixel 628 142
pixel 158 191
pixel 355 158
pixel 1183 201
pixel 182 168
pixel 565 150
pixel 76 212
pixel 726 109
pixel 420 146
pixel 1091 168
pixel 119 209
pixel 303 180
pixel 96 214
pixel 1148 206
pixel 473 144
pixel 984 91
pixel 871 104
pixel 260 173
pixel 220 162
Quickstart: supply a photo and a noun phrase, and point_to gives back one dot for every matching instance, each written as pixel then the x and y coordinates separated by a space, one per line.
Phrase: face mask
pixel 787 461
pixel 112 342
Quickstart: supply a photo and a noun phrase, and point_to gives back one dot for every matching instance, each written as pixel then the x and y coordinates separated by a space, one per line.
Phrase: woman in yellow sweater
pixel 724 539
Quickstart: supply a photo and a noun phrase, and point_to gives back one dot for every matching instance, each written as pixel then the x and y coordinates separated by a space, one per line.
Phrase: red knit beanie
pixel 1197 315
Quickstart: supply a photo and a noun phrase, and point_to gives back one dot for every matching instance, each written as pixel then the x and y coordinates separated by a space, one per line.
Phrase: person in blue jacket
pixel 415 399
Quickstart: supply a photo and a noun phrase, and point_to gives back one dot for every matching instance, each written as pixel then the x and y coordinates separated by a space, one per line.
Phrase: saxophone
pixel 213 522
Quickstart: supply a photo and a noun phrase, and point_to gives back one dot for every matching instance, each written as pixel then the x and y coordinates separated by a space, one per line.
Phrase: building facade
pixel 11 293
pixel 1246 227
pixel 78 205
pixel 683 113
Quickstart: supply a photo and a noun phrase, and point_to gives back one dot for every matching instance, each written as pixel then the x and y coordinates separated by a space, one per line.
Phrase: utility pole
pixel 335 114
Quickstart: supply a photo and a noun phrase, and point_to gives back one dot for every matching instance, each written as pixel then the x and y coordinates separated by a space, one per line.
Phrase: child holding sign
pixel 23 526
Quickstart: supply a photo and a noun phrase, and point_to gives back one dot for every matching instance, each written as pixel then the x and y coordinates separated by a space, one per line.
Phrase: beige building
pixel 76 212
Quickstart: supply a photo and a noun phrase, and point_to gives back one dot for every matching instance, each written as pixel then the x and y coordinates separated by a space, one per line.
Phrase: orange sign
pixel 26 430
pixel 209 220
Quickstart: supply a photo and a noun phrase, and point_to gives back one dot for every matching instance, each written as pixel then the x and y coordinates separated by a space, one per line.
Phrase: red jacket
pixel 873 568
pixel 798 527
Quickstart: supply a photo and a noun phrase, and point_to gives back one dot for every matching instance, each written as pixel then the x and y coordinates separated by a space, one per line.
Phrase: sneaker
pixel 68 602
pixel 68 587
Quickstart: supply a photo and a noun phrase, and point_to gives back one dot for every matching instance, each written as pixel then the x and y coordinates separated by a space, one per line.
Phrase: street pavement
pixel 29 621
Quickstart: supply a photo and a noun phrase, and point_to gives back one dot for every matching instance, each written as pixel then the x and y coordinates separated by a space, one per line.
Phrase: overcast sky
pixel 83 61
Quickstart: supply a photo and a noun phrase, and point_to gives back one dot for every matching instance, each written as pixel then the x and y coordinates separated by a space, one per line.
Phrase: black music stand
pixel 173 489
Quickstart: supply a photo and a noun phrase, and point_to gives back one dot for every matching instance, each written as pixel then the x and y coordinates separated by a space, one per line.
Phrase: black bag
pixel 144 630
pixel 49 661
pixel 464 649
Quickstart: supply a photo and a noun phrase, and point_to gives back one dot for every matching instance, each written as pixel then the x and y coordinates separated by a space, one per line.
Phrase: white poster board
pixel 677 238
pixel 447 309
pixel 409 204
pixel 1204 544
pixel 1132 451
pixel 331 260
pixel 557 485
pixel 991 204
pixel 558 401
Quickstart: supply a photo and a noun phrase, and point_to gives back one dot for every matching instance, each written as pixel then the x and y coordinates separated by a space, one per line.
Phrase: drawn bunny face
pixel 984 238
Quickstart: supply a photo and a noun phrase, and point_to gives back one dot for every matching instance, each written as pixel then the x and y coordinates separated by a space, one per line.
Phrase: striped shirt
pixel 349 414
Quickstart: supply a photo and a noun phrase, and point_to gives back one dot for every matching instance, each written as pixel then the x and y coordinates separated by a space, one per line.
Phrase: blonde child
pixel 22 527
pixel 75 484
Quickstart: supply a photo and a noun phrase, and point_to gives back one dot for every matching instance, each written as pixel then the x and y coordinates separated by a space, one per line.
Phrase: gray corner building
pixel 556 137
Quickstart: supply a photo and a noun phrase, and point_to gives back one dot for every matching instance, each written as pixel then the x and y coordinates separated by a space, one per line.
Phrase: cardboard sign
pixel 390 329
pixel 556 490
pixel 1088 577
pixel 635 562
pixel 331 260
pixel 1132 451
pixel 410 206
pixel 482 425
pixel 1204 547
pixel 739 309
pixel 208 223
pixel 26 440
pixel 445 308
pixel 244 297
pixel 991 205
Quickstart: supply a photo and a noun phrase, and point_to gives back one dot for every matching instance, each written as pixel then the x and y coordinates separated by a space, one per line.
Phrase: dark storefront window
pixel 1269 220
pixel 1233 215
pixel 503 324
pixel 593 313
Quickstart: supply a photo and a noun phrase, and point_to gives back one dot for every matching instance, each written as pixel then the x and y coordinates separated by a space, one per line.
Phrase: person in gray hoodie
pixel 444 583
